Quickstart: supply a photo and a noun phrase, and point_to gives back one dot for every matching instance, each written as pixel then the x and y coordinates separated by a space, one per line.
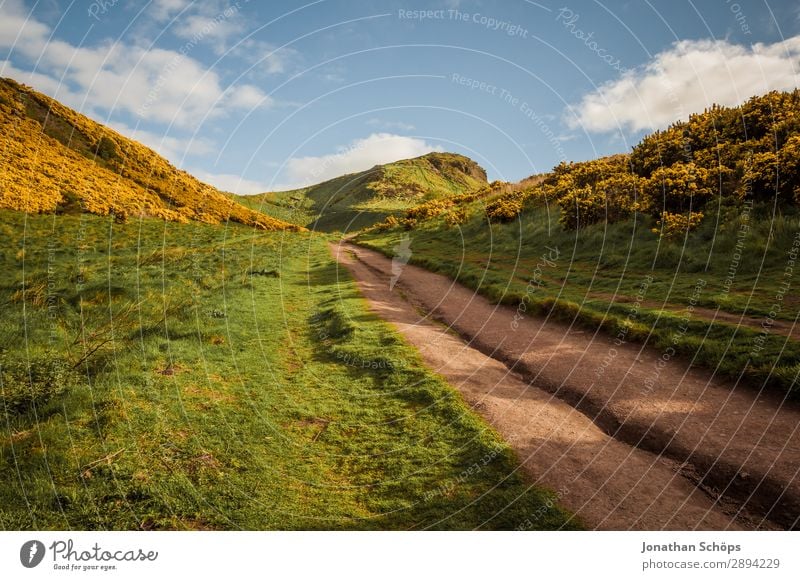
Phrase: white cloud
pixel 687 78
pixel 231 182
pixel 157 85
pixel 360 155
pixel 217 29
pixel 224 27
pixel 161 10
pixel 173 148
pixel 397 125
pixel 248 97
pixel 266 57
pixel 43 82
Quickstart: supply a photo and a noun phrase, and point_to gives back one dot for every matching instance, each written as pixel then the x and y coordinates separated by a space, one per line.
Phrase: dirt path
pixel 627 443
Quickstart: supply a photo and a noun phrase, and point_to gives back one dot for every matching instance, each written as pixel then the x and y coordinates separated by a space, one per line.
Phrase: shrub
pixel 504 209
pixel 429 209
pixel 673 226
pixel 387 224
pixel 408 223
pixel 456 216
pixel 582 207
pixel 679 187
pixel 107 148
pixel 33 382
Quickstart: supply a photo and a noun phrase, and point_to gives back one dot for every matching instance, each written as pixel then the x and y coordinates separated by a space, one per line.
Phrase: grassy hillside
pixel 690 242
pixel 358 200
pixel 53 159
pixel 207 377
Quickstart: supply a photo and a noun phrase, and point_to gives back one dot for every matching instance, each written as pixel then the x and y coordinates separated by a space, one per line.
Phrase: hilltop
pixel 358 200
pixel 53 159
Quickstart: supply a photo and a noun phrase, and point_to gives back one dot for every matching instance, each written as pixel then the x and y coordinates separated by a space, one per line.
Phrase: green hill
pixel 358 200
pixel 53 159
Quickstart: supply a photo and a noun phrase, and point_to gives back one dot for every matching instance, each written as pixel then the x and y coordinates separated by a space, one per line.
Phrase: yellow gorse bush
pixel 673 226
pixel 55 159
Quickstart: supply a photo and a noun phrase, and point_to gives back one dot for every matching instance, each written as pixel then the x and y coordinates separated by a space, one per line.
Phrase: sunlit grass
pixel 225 378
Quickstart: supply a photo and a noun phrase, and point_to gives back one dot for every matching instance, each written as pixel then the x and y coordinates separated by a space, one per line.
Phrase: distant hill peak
pixel 357 200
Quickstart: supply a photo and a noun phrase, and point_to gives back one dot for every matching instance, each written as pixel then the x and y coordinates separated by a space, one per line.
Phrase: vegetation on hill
pixel 718 159
pixel 53 159
pixel 689 243
pixel 199 377
pixel 358 200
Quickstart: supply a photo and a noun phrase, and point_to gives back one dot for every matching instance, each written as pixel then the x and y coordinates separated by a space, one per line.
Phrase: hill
pixel 688 243
pixel 358 200
pixel 53 159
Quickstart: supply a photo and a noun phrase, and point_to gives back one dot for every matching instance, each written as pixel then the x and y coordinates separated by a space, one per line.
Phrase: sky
pixel 257 96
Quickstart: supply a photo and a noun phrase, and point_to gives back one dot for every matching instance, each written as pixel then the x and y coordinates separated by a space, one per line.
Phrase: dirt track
pixel 632 447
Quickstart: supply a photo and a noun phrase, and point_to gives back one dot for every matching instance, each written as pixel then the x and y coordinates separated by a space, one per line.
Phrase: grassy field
pixel 169 376
pixel 622 278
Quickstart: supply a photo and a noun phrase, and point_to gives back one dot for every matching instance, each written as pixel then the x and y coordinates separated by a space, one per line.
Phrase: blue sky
pixel 253 96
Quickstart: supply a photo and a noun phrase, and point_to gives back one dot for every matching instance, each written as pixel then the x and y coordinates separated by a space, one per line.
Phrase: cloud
pixel 359 155
pixel 217 29
pixel 162 10
pixel 43 82
pixel 687 78
pixel 224 28
pixel 230 182
pixel 172 148
pixel 266 57
pixel 397 125
pixel 248 97
pixel 156 85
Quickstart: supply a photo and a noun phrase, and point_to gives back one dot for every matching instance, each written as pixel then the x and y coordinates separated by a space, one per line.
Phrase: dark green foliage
pixel 70 203
pixel 266 273
pixel 107 149
pixel 29 383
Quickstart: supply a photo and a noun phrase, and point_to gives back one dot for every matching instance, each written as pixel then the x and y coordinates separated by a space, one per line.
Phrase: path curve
pixel 686 452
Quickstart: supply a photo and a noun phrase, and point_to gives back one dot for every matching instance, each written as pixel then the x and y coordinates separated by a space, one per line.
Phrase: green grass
pixel 355 201
pixel 203 377
pixel 600 271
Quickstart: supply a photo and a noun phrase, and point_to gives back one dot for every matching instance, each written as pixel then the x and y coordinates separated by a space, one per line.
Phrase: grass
pixel 210 377
pixel 622 279
pixel 355 201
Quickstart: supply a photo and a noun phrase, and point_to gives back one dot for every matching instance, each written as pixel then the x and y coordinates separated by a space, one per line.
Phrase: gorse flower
pixel 56 160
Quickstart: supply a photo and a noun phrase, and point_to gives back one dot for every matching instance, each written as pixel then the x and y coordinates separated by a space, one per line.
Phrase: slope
pixel 358 200
pixel 53 159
